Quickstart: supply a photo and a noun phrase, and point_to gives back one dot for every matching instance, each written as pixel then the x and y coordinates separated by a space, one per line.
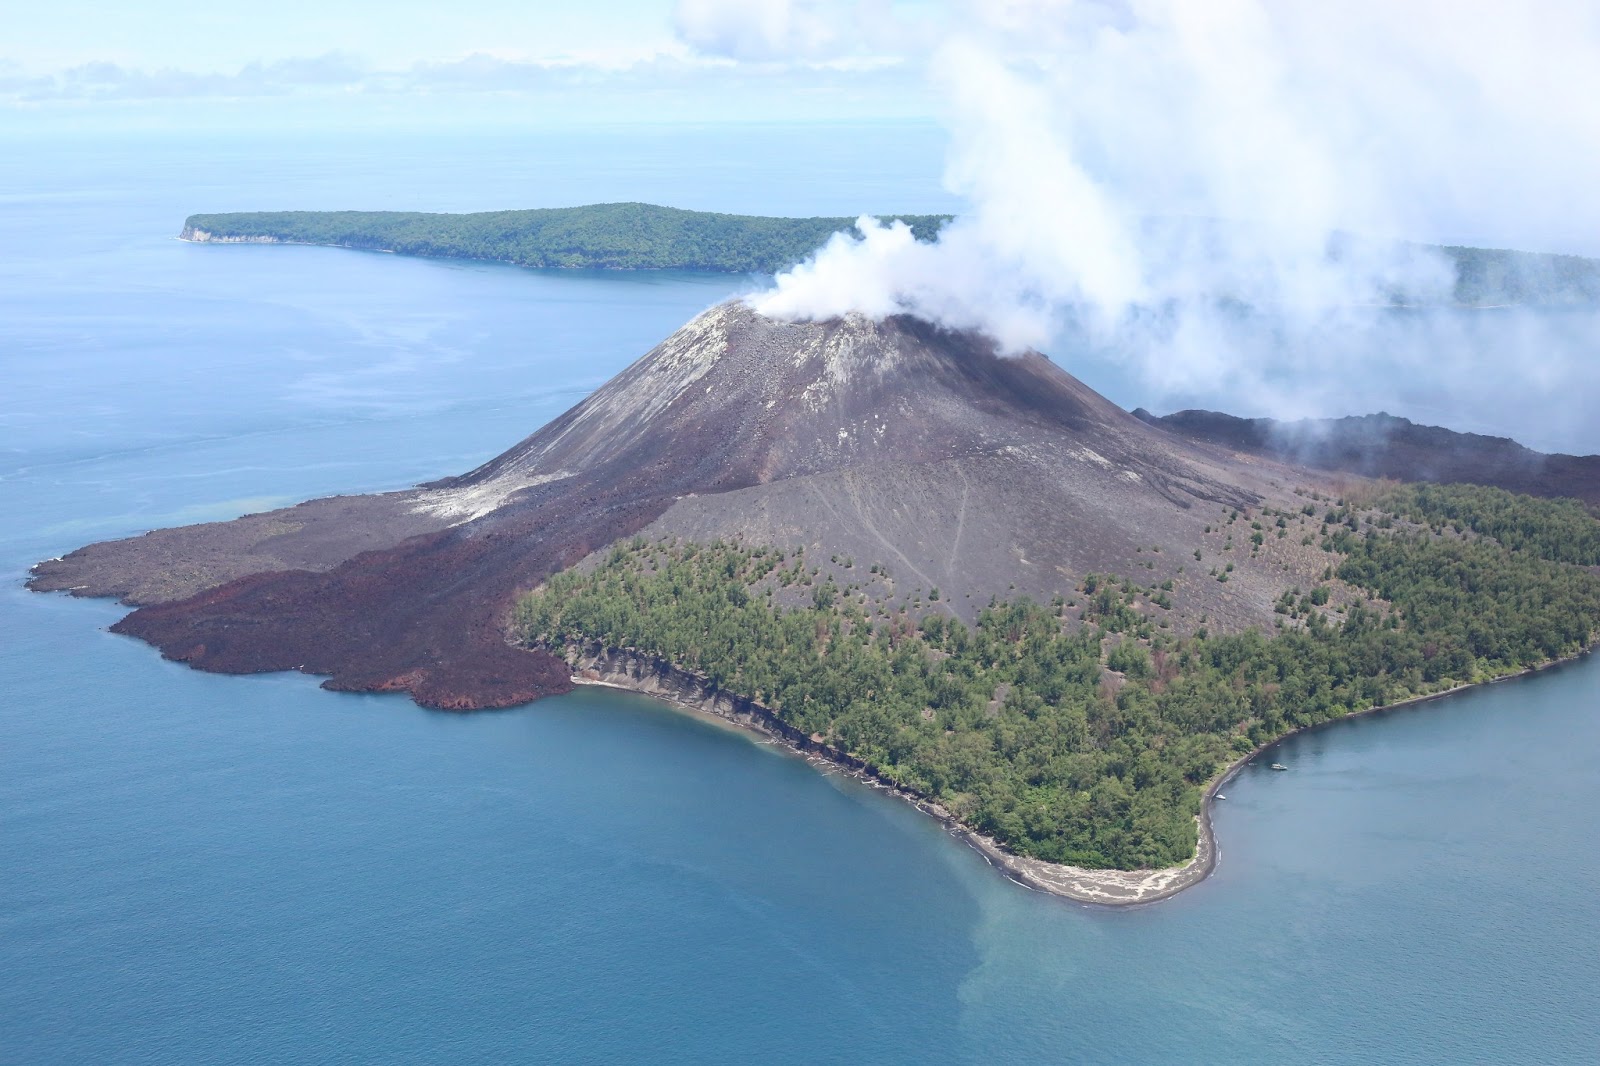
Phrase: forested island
pixel 1084 731
pixel 635 236
pixel 596 237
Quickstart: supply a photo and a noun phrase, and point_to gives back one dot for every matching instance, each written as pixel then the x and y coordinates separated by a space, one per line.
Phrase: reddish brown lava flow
pixel 426 617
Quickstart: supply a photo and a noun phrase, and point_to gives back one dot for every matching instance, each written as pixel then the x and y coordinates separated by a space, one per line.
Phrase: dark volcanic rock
pixel 1383 445
pixel 890 442
pixel 170 564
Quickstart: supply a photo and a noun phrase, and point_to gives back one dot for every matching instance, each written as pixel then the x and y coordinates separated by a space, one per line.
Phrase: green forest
pixel 600 236
pixel 1487 276
pixel 1074 731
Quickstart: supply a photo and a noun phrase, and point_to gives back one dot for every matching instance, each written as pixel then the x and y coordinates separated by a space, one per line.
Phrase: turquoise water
pixel 208 869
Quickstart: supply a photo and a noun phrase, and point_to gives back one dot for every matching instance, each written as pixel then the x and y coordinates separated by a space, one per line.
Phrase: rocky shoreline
pixel 200 236
pixel 627 668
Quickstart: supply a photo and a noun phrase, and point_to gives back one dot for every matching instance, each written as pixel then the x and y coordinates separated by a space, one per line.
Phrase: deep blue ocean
pixel 204 869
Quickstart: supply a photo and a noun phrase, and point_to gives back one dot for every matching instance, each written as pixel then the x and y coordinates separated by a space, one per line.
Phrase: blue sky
pixel 359 63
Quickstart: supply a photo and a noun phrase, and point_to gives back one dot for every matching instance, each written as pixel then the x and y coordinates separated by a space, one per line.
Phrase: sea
pixel 205 869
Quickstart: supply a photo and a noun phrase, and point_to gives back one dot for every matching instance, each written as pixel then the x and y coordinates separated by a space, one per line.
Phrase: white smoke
pixel 1207 186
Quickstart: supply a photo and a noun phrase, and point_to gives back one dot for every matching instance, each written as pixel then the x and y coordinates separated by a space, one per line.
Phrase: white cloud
pixel 108 81
pixel 757 29
pixel 819 31
pixel 794 58
pixel 338 74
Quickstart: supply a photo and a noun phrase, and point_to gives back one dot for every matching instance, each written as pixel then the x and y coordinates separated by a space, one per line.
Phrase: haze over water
pixel 211 869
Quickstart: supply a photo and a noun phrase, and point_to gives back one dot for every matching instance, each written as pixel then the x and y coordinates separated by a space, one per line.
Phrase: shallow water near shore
pixel 215 869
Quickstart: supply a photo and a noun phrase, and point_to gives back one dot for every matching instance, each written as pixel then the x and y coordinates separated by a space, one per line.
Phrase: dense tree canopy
pixel 600 236
pixel 1497 276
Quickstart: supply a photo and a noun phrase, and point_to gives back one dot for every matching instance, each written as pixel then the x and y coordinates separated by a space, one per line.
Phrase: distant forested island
pixel 636 236
pixel 596 237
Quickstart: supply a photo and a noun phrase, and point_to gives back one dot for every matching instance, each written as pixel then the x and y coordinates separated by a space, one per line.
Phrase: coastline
pixel 627 669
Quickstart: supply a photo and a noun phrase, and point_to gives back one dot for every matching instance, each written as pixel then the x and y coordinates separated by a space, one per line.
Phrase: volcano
pixel 965 474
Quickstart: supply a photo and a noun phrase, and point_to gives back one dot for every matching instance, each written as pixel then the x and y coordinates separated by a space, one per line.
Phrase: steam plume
pixel 1213 188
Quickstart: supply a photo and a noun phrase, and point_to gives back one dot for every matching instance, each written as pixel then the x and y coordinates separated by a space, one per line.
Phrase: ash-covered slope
pixel 888 442
pixel 1384 445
